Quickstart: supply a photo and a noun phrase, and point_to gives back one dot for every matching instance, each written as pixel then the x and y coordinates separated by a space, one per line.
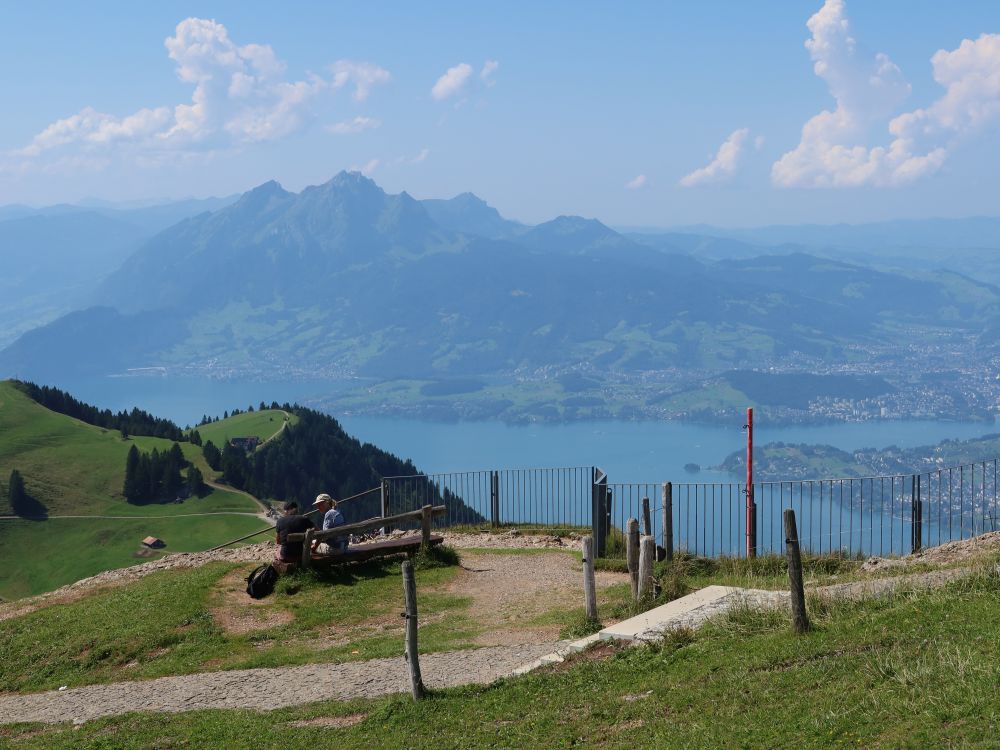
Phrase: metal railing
pixel 553 497
pixel 883 515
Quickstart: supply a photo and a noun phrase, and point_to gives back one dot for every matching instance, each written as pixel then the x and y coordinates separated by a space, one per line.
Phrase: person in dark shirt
pixel 291 523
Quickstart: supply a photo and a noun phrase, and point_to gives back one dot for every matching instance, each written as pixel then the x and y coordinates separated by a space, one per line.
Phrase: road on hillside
pixel 126 518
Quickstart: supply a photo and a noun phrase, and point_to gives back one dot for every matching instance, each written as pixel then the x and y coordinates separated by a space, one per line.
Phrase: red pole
pixel 751 535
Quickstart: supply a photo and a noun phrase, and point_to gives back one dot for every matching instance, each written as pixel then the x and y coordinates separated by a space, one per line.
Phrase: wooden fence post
pixel 589 585
pixel 647 554
pixel 632 554
pixel 668 519
pixel 647 522
pixel 799 618
pixel 411 653
pixel 425 526
pixel 307 549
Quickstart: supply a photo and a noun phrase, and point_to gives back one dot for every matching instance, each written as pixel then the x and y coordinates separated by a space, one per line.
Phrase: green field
pixel 73 468
pixel 262 424
pixel 38 556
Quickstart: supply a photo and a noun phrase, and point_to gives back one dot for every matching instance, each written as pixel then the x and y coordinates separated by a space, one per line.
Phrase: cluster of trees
pixel 156 477
pixel 205 419
pixel 135 422
pixel 314 456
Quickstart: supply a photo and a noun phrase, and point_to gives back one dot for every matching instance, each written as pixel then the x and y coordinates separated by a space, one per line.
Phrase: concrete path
pixel 266 689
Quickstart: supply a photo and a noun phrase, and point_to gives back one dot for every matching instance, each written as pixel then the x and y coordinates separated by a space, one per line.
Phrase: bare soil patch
pixel 329 721
pixel 509 590
pixel 237 613
pixel 943 554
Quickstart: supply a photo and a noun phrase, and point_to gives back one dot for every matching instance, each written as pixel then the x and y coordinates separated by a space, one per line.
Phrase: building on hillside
pixel 248 444
pixel 153 543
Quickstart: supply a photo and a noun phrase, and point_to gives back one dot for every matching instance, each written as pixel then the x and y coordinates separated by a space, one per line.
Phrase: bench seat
pixel 406 544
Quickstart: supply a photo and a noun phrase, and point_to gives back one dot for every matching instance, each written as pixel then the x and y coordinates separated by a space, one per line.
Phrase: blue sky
pixel 653 114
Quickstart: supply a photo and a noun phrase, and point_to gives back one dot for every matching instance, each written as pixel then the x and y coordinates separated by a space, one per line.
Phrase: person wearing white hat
pixel 331 518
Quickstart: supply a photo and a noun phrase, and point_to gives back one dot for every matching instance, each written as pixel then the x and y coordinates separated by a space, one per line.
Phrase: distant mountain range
pixel 345 279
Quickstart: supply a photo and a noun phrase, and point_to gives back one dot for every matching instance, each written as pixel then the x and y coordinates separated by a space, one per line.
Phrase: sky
pixel 651 114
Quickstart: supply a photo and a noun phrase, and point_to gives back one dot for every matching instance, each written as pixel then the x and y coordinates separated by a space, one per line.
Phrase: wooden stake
pixel 411 653
pixel 425 526
pixel 647 554
pixel 632 554
pixel 647 523
pixel 589 585
pixel 307 544
pixel 800 619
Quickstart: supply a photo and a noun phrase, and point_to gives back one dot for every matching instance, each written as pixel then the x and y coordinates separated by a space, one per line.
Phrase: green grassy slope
pixel 915 669
pixel 262 424
pixel 73 468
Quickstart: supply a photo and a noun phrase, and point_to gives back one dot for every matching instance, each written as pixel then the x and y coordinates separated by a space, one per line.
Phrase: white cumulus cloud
pixel 834 148
pixel 241 95
pixel 452 82
pixel 486 74
pixel 636 182
pixel 357 125
pixel 363 75
pixel 723 166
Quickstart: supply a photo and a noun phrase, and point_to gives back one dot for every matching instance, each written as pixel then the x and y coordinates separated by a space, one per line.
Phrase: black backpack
pixel 261 582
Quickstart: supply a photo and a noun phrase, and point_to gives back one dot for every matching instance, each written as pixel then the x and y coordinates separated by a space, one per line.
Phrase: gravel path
pixel 266 689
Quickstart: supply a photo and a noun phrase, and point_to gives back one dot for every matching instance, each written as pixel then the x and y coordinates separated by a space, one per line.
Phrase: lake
pixel 627 451
pixel 707 518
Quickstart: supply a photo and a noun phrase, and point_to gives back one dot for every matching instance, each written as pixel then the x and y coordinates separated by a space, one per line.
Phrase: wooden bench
pixel 407 544
pixel 378 549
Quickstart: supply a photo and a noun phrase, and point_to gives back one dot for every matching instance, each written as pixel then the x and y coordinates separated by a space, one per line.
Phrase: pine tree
pixel 17 495
pixel 131 489
pixel 195 481
pixel 213 457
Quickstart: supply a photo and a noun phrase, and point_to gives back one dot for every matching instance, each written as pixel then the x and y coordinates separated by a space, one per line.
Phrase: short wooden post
pixel 668 519
pixel 647 522
pixel 589 585
pixel 425 526
pixel 647 554
pixel 799 618
pixel 411 653
pixel 307 549
pixel 632 554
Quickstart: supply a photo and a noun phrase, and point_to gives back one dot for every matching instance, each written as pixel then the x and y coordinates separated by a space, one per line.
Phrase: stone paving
pixel 267 689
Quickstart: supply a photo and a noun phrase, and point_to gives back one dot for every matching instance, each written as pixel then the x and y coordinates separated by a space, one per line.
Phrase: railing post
pixel 495 498
pixel 647 522
pixel 668 519
pixel 600 511
pixel 384 502
pixel 751 505
pixel 917 512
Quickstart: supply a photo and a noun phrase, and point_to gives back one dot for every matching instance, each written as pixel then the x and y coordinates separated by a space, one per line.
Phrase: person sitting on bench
pixel 290 523
pixel 331 518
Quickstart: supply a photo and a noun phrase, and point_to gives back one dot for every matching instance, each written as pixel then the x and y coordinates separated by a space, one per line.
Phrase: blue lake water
pixel 627 451
pixel 630 452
